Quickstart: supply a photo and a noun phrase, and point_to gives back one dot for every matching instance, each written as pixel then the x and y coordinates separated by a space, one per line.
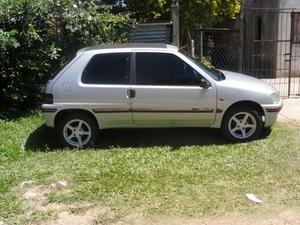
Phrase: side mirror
pixel 204 83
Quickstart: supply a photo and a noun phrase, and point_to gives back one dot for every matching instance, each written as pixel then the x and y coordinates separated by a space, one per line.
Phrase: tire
pixel 242 124
pixel 266 131
pixel 77 130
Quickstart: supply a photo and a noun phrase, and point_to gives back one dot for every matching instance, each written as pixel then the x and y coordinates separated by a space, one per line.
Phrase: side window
pixel 113 68
pixel 164 69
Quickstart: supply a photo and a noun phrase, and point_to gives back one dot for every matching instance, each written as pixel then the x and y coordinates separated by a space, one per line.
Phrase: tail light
pixel 48 98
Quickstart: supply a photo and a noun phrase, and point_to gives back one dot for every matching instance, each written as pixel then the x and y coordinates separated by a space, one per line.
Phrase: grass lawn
pixel 167 172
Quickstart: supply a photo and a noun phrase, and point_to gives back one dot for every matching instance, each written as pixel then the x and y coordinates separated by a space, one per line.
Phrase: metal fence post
pixel 291 52
pixel 241 50
pixel 201 42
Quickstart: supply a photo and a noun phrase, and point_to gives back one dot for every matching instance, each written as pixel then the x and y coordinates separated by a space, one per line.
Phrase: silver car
pixel 153 85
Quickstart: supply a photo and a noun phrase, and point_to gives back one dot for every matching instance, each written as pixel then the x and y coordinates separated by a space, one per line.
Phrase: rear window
pixel 112 68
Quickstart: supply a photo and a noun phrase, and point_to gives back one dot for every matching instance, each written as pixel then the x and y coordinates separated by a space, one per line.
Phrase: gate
pixel 271 47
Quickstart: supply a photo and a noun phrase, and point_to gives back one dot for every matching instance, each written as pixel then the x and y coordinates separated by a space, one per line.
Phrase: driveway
pixel 290 112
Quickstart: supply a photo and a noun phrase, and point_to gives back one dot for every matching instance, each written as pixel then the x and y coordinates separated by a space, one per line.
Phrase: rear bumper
pixel 49 112
pixel 271 112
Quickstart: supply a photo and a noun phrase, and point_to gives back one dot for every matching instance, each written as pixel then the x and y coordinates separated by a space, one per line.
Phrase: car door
pixel 105 83
pixel 168 93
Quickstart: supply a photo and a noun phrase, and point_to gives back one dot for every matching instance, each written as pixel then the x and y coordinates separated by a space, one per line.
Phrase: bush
pixel 37 36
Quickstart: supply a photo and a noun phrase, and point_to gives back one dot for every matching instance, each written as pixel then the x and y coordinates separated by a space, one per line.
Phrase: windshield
pixel 213 73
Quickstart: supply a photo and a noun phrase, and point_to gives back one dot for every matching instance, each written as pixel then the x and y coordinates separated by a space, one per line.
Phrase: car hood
pixel 246 82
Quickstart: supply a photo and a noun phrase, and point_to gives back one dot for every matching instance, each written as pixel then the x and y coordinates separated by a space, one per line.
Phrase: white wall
pixel 289 4
pixel 284 33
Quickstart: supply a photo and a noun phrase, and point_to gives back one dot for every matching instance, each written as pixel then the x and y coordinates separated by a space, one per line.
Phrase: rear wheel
pixel 242 124
pixel 77 130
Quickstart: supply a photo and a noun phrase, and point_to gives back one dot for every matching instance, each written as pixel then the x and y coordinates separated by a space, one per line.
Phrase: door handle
pixel 130 93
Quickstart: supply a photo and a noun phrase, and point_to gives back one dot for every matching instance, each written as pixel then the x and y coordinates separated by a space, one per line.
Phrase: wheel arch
pixel 65 112
pixel 237 107
pixel 251 104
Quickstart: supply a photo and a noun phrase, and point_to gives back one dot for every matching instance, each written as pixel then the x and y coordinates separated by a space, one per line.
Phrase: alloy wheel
pixel 242 125
pixel 77 132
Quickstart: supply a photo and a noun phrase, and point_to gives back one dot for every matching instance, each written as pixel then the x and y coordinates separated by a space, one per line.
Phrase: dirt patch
pixel 68 218
pixel 65 214
pixel 37 195
pixel 285 217
pixel 84 213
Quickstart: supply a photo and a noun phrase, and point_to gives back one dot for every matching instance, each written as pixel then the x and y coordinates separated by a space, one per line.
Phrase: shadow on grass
pixel 43 138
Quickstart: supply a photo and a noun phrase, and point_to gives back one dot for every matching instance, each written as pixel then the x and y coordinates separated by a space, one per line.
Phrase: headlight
pixel 275 97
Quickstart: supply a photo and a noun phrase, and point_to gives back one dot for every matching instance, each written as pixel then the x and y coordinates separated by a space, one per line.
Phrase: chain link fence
pixel 220 47
pixel 219 54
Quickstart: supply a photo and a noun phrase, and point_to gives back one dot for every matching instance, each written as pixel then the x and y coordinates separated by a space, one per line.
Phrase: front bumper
pixel 271 112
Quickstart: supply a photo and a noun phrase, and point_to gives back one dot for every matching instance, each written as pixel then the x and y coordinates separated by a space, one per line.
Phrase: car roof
pixel 132 45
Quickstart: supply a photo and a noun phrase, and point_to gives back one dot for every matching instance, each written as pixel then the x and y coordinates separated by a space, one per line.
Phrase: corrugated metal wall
pixel 151 33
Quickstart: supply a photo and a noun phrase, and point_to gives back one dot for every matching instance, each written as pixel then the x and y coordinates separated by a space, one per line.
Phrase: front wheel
pixel 242 124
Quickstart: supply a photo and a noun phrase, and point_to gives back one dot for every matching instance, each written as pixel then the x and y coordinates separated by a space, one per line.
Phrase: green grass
pixel 183 172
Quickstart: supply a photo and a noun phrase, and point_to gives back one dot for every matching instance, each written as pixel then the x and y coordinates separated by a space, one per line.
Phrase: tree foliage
pixel 206 12
pixel 192 12
pixel 36 36
pixel 149 10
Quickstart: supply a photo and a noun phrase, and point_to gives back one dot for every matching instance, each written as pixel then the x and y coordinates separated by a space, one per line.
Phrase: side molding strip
pixel 47 110
pixel 152 111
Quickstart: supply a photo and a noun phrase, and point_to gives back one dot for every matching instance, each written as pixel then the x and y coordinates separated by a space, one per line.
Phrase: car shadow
pixel 43 138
